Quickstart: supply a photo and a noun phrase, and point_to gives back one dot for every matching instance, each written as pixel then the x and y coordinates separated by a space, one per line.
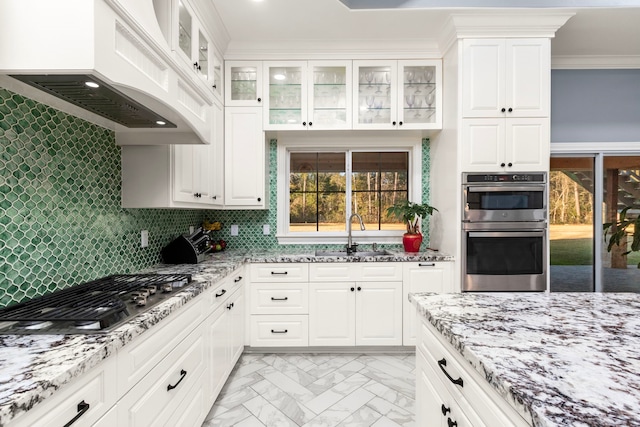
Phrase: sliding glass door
pixel 585 192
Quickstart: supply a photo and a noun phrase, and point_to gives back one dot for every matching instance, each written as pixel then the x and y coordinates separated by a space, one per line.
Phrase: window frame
pixel 348 145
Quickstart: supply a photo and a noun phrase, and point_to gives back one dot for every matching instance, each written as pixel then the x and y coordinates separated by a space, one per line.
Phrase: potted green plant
pixel 621 229
pixel 410 213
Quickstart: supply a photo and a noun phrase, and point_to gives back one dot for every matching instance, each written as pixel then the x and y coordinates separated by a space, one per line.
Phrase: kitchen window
pixel 322 187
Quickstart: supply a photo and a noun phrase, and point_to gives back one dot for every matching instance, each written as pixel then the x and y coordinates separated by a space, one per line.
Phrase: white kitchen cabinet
pixel 506 77
pixel 285 106
pixel 422 277
pixel 243 84
pixel 378 313
pixel 245 151
pixel 191 181
pixel 397 94
pixel 505 144
pixel 446 381
pixel 216 166
pixel 86 400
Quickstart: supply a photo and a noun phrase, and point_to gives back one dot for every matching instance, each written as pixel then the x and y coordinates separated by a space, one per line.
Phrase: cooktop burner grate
pixel 102 301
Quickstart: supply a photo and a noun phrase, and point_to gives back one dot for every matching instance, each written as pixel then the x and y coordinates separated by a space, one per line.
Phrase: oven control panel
pixel 504 177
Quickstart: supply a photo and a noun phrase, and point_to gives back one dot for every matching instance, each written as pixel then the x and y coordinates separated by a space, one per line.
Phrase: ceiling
pixel 591 32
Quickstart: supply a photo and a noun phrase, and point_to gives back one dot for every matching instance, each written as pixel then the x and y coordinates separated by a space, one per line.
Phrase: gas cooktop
pixel 92 307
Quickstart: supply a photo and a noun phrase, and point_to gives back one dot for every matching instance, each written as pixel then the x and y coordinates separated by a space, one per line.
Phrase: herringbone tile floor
pixel 318 390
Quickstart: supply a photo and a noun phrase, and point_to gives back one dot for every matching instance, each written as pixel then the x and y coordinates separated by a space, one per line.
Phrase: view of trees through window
pixel 318 196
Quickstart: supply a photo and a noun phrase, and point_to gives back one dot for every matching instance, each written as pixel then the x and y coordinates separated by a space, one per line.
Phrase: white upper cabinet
pixel 506 77
pixel 329 95
pixel 397 94
pixel 243 83
pixel 285 106
pixel 216 153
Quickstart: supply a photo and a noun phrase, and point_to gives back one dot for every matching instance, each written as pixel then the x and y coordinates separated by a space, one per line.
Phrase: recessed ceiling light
pixel 160 122
pixel 93 85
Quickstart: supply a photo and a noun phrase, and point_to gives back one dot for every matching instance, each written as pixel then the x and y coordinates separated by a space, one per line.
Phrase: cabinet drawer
pixel 475 391
pixel 296 272
pixel 146 351
pixel 380 271
pixel 157 397
pixel 96 388
pixel 334 272
pixel 279 331
pixel 280 298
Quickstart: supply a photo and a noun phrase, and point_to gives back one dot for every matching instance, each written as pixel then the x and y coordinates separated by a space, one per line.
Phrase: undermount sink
pixel 358 253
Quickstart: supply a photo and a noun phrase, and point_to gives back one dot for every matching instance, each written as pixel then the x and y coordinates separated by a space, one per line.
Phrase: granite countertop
pixel 33 367
pixel 560 359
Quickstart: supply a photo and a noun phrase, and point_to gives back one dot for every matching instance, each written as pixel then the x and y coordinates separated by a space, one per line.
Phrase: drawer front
pixel 96 388
pixel 475 391
pixel 280 298
pixel 274 273
pixel 380 271
pixel 157 397
pixel 334 272
pixel 279 331
pixel 144 353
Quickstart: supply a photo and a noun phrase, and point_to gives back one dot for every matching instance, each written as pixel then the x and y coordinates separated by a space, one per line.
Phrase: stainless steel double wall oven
pixel 504 223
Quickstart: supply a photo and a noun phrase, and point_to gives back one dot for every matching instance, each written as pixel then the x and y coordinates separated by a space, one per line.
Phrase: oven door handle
pixel 503 233
pixel 493 189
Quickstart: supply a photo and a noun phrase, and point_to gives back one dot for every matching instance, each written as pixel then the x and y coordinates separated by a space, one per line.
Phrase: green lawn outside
pixel 579 252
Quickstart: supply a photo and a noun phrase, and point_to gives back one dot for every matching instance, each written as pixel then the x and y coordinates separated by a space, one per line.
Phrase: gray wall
pixel 595 106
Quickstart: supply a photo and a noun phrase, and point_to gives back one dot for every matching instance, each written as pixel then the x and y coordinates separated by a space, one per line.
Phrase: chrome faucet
pixel 352 247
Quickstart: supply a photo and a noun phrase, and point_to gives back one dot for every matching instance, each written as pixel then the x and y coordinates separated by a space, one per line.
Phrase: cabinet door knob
pixel 451 423
pixel 444 409
pixel 510 164
pixel 353 289
pixel 510 110
pixel 310 124
pixel 503 110
pixel 399 123
pixel 214 86
pixel 359 288
pixel 502 165
pixel 214 197
pixel 259 199
pixel 304 123
pixel 259 99
pixel 393 123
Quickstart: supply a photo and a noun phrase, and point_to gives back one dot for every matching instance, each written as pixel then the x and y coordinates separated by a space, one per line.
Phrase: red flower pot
pixel 412 242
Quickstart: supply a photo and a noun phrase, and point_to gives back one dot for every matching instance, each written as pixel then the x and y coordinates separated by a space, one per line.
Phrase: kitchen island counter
pixel 560 359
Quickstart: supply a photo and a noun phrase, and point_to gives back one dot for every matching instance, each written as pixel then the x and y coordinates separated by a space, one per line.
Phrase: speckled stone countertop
pixel 560 359
pixel 33 367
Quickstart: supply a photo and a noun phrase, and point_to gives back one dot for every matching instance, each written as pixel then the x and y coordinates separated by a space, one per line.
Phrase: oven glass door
pixel 505 261
pixel 505 203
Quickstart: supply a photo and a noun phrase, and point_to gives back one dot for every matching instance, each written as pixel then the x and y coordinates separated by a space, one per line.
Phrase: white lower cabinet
pixel 422 277
pixel 356 313
pixel 449 390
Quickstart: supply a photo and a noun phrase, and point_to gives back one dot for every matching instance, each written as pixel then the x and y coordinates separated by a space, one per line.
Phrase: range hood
pixel 117 45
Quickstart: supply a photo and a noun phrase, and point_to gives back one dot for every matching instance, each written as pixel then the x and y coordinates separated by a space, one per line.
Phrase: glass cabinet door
pixel 329 95
pixel 419 94
pixel 243 83
pixel 216 73
pixel 185 29
pixel 203 56
pixel 375 92
pixel 286 103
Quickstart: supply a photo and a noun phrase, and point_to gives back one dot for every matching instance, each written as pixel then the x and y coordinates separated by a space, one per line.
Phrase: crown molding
pixel 594 147
pixel 332 49
pixel 578 62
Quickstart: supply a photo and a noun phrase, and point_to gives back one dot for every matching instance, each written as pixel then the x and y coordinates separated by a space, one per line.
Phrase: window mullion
pixel 348 187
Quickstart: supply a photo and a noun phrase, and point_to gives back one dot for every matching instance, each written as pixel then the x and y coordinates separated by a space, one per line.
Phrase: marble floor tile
pixel 317 390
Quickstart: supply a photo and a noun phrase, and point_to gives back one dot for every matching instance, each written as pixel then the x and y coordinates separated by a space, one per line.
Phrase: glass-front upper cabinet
pixel 420 94
pixel 216 68
pixel 375 96
pixel 243 83
pixel 330 95
pixel 285 107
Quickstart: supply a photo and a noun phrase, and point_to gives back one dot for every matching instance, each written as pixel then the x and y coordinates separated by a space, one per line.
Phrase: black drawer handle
pixel 230 306
pixel 273 331
pixel 279 299
pixel 452 423
pixel 224 291
pixel 444 409
pixel 82 408
pixel 237 279
pixel 183 374
pixel 442 363
pixel 433 264
pixel 280 272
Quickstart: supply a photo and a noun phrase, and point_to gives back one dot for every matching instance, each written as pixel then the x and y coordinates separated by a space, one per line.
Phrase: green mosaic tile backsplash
pixel 60 217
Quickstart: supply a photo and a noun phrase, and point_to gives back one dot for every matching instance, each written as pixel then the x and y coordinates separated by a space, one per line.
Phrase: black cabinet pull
pixel 230 306
pixel 353 289
pixel 503 110
pixel 359 288
pixel 259 99
pixel 214 197
pixel 280 299
pixel 399 123
pixel 444 409
pixel 393 123
pixel 442 363
pixel 510 164
pixel 433 264
pixel 183 374
pixel 279 272
pixel 214 86
pixel 224 291
pixel 502 164
pixel 259 199
pixel 82 408
pixel 273 331
pixel 510 110
pixel 452 423
pixel 310 124
pixel 237 279
pixel 304 123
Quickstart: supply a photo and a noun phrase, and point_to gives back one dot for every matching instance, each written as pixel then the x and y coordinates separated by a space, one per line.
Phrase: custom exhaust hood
pixel 111 58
